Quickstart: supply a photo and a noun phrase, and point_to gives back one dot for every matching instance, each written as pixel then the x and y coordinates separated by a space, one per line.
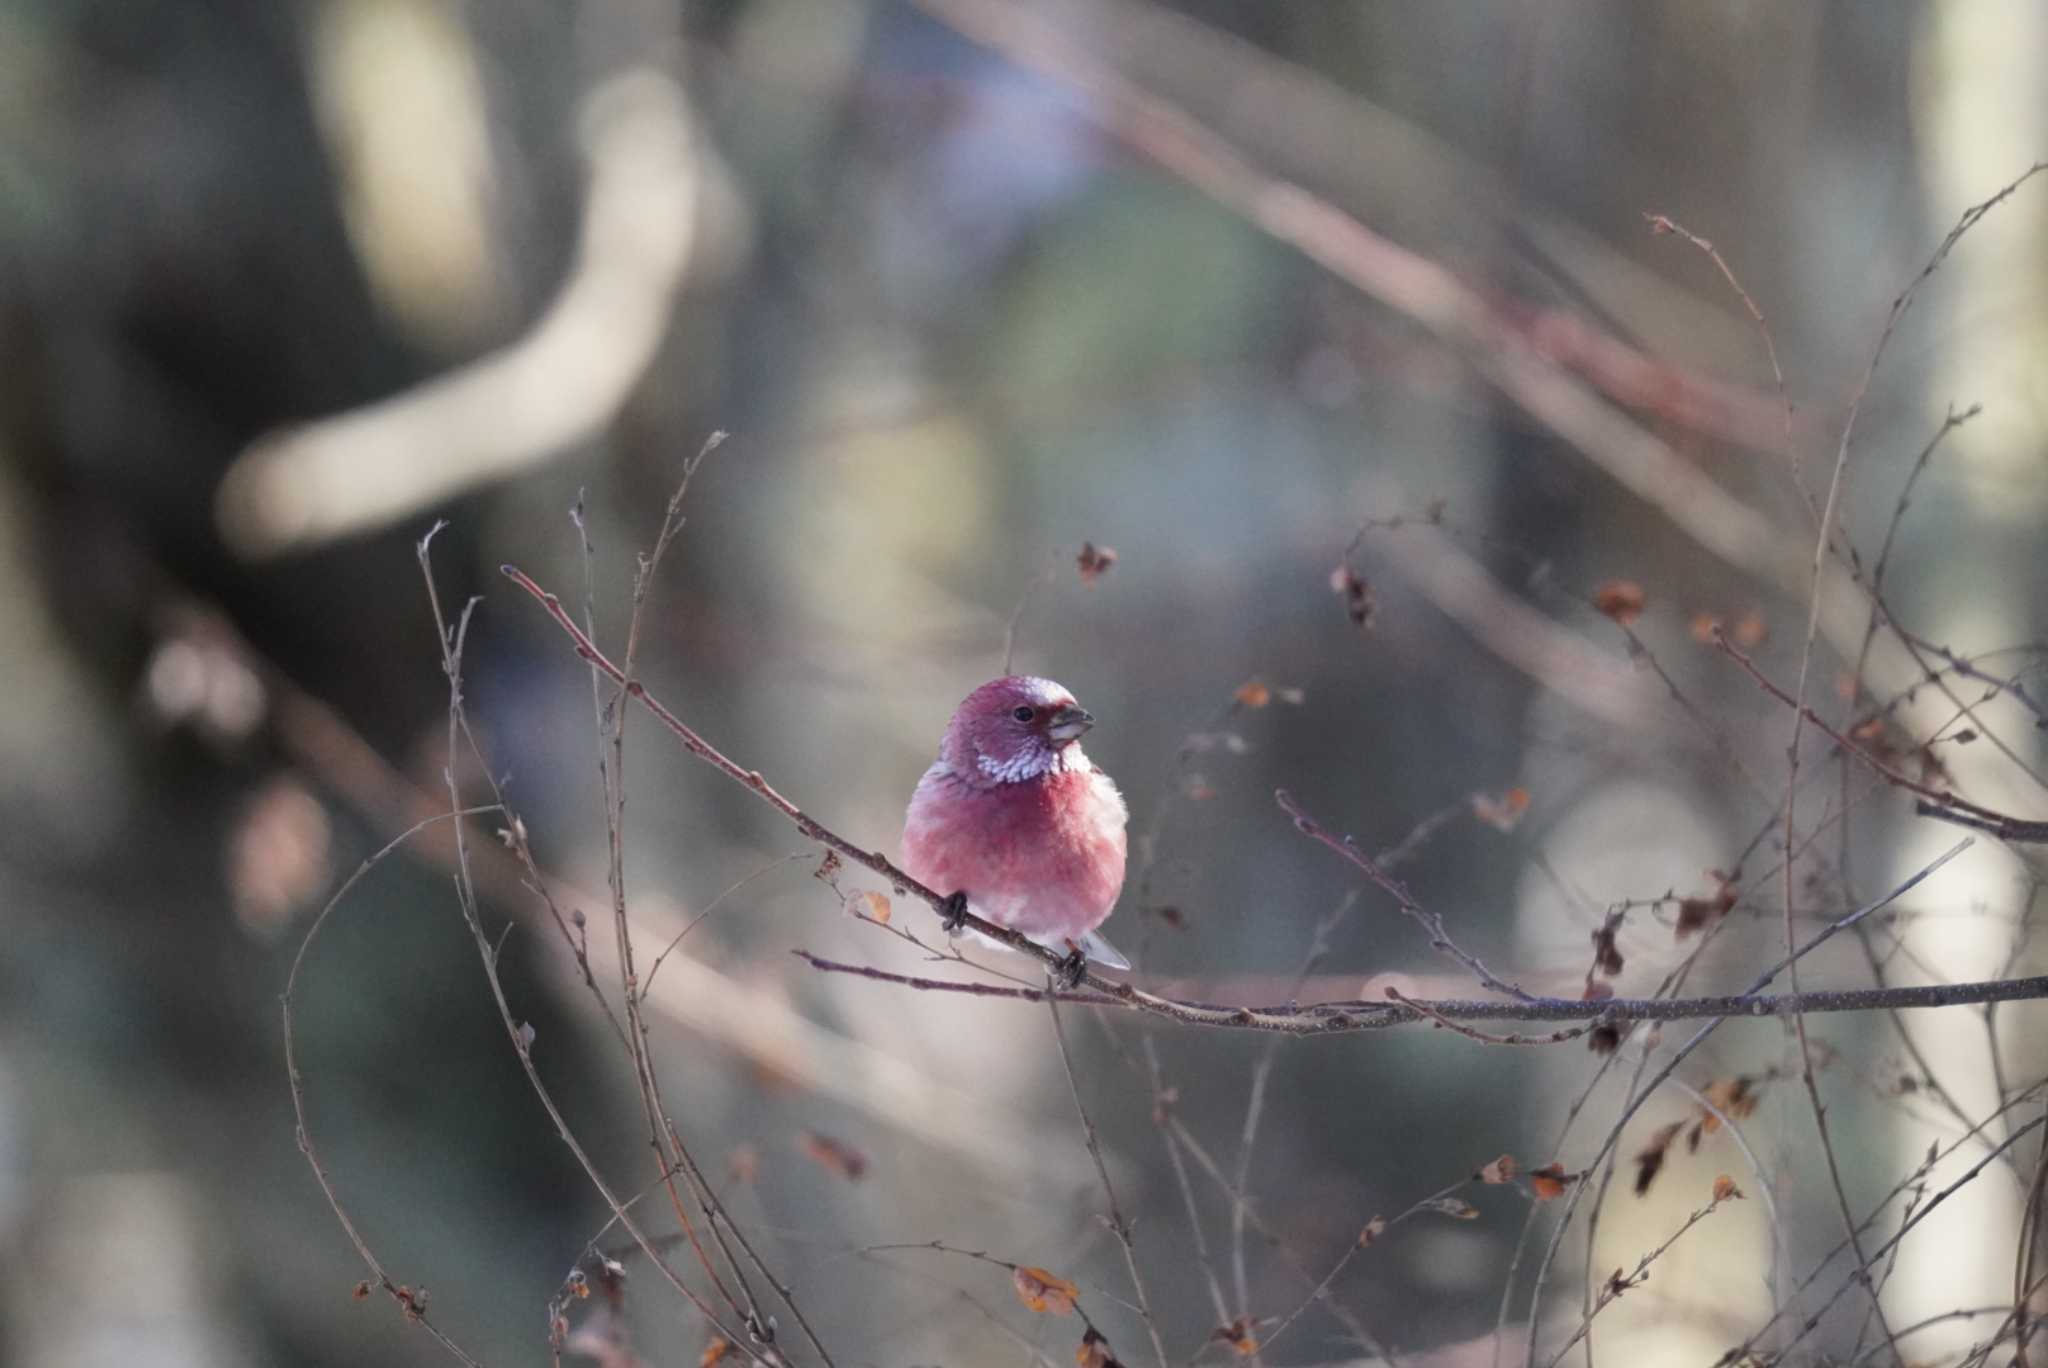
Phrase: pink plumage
pixel 1016 816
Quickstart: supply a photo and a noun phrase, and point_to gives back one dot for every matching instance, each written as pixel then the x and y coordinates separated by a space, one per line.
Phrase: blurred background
pixel 1341 324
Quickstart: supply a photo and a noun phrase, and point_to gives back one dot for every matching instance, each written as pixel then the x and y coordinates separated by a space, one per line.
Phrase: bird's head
pixel 1015 728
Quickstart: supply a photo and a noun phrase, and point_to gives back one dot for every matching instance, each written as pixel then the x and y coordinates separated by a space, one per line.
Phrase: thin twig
pixel 978 1255
pixel 1173 794
pixel 451 644
pixel 661 1130
pixel 1162 1107
pixel 709 908
pixel 1431 922
pixel 1118 1226
pixel 1943 1318
pixel 411 1301
pixel 1241 1203
pixel 1262 1072
pixel 610 718
pixel 1659 223
pixel 2023 1280
pixel 1949 424
pixel 1619 1283
pixel 1320 1291
pixel 1793 760
pixel 724 1232
pixel 1973 669
pixel 1859 1276
pixel 1641 1095
pixel 1723 748
pixel 1032 586
pixel 1981 1354
pixel 1910 1182
pixel 1935 802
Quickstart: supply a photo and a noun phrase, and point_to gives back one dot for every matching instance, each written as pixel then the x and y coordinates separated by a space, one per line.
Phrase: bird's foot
pixel 1068 973
pixel 953 912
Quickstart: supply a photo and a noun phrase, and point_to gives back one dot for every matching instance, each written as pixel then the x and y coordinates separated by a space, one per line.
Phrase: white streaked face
pixel 1024 727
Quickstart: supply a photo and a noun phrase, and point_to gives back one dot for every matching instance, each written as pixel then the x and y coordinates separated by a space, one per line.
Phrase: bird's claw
pixel 953 912
pixel 1068 973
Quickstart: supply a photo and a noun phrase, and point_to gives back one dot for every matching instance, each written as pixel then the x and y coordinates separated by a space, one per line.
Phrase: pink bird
pixel 1015 822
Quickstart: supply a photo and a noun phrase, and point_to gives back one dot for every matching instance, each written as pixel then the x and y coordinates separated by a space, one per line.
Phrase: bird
pixel 1014 822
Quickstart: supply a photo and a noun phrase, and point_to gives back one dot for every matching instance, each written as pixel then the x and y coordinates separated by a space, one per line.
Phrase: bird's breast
pixel 1047 853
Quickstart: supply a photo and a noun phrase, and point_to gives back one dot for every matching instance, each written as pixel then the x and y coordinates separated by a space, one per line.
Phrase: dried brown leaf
pixel 1550 1182
pixel 1650 1159
pixel 1501 1170
pixel 1238 1335
pixel 277 856
pixel 1621 600
pixel 1095 561
pixel 1735 1097
pixel 1095 1352
pixel 1163 1103
pixel 1360 603
pixel 1374 1228
pixel 1043 1291
pixel 1606 953
pixel 1725 1189
pixel 1253 694
pixel 871 905
pixel 714 1352
pixel 835 1155
pixel 1698 913
pixel 1501 813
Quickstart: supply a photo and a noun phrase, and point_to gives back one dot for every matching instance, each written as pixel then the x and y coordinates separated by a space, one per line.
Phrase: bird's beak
pixel 1068 724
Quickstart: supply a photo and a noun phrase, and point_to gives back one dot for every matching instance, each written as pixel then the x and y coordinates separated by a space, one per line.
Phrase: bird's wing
pixel 1102 952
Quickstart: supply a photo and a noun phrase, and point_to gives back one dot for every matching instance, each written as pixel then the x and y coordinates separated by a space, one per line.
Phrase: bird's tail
pixel 1100 951
pixel 1092 946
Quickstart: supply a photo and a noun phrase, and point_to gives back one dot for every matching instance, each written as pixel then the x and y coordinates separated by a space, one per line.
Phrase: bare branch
pixel 1659 223
pixel 1118 1226
pixel 1621 1283
pixel 451 645
pixel 1935 802
pixel 412 1301
pixel 1431 922
pixel 1640 1095
pixel 1352 1016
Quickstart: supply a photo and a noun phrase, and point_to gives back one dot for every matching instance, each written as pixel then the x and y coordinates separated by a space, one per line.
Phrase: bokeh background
pixel 972 284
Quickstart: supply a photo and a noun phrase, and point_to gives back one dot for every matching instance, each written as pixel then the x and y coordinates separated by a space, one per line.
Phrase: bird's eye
pixel 1023 714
